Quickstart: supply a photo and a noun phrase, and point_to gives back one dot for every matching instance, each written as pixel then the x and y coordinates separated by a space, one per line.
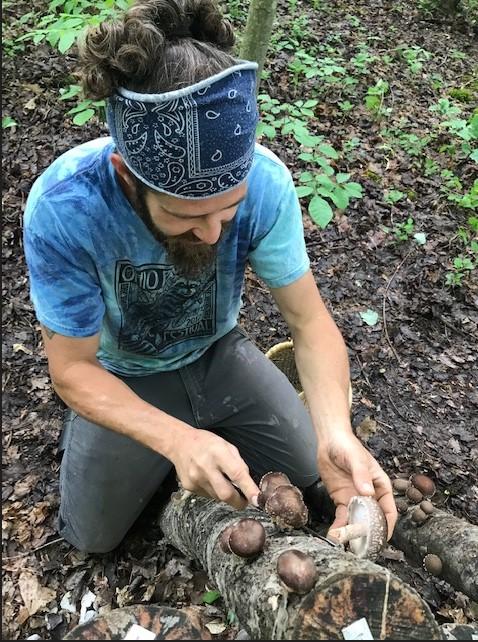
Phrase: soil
pixel 414 373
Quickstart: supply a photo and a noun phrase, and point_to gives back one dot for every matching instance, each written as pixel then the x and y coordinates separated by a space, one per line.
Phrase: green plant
pixel 303 64
pixel 375 96
pixel 85 109
pixel 286 117
pixel 460 267
pixel 392 196
pixel 431 167
pixel 444 107
pixel 7 122
pixel 403 231
pixel 363 59
pixel 346 106
pixel 325 185
pixel 414 57
pixel 66 19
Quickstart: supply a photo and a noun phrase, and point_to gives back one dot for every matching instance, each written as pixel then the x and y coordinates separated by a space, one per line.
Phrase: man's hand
pixel 348 469
pixel 210 466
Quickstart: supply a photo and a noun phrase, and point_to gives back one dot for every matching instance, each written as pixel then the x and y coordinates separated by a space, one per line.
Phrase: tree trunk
pixel 347 589
pixel 256 37
pixel 454 540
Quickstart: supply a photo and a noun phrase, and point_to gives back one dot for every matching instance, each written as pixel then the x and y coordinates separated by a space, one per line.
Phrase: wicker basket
pixel 282 355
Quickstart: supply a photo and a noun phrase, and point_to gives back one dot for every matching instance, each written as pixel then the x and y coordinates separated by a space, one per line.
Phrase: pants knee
pixel 88 542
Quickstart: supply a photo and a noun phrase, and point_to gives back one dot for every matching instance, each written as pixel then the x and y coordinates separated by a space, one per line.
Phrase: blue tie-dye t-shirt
pixel 95 267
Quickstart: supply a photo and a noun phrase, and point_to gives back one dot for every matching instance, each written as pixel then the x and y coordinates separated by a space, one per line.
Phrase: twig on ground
pixel 384 302
pixel 39 548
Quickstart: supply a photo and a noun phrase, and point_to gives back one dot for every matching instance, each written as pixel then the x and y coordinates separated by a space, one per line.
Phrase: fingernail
pixel 254 501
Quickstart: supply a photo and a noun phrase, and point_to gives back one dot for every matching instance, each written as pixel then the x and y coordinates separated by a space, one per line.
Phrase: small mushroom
pixel 419 516
pixel 400 486
pixel 366 530
pixel 427 507
pixel 246 538
pixel 424 484
pixel 286 507
pixel 268 484
pixel 414 495
pixel 297 570
pixel 402 505
pixel 433 564
pixel 224 539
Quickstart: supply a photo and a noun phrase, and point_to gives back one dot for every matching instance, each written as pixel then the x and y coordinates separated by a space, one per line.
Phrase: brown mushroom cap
pixel 297 570
pixel 247 538
pixel 367 511
pixel 286 507
pixel 400 486
pixel 424 484
pixel 419 516
pixel 414 495
pixel 433 564
pixel 427 507
pixel 402 505
pixel 224 539
pixel 268 484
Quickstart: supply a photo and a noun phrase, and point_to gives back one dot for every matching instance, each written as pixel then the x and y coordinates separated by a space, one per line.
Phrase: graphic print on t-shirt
pixel 160 308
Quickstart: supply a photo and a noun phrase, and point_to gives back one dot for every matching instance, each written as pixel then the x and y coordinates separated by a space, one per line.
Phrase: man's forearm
pixel 103 399
pixel 322 362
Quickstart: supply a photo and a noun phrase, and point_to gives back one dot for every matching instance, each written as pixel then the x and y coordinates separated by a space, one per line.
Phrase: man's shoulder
pixel 72 175
pixel 267 161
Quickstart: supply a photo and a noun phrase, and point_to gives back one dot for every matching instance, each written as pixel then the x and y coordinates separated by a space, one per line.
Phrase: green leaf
pixel 7 121
pixel 210 597
pixel 83 117
pixel 474 155
pixel 341 178
pixel 328 150
pixel 269 131
pixel 304 190
pixel 67 39
pixel 320 211
pixel 354 190
pixel 340 198
pixel 420 238
pixel 370 317
pixel 306 177
pixel 71 92
pixel 307 156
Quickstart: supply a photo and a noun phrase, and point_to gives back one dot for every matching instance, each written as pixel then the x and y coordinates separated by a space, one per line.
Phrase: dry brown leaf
pixel 24 486
pixel 34 595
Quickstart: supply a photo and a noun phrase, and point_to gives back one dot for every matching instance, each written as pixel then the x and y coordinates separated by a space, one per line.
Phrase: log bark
pixel 454 540
pixel 347 589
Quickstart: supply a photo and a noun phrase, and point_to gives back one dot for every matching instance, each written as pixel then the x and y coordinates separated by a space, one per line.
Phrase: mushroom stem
pixel 346 533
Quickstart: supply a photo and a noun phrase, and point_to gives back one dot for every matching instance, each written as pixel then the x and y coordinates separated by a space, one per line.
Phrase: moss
pixel 462 94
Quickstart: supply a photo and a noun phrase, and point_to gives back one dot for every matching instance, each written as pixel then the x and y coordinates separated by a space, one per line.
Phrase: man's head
pixel 182 113
pixel 190 230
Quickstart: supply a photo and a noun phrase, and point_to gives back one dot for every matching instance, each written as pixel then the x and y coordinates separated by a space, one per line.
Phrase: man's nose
pixel 209 231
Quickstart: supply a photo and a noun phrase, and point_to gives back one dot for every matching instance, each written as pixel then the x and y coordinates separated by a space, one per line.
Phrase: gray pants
pixel 106 479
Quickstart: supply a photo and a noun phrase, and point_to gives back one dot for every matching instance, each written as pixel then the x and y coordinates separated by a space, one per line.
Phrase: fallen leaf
pixel 216 626
pixel 30 105
pixel 19 347
pixel 34 595
pixel 24 486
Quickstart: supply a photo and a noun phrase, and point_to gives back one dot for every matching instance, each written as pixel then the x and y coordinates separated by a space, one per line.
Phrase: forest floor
pixel 414 372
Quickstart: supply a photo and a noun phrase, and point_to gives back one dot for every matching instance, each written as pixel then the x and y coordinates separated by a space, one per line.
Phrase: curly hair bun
pixel 135 51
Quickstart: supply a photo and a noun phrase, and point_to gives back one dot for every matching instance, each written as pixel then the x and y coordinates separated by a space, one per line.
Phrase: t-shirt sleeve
pixel 279 256
pixel 64 286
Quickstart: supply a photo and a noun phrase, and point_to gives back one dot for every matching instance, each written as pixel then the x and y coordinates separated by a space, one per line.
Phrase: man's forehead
pixel 183 207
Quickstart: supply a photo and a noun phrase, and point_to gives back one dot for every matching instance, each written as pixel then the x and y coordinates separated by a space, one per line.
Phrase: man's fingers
pixel 387 503
pixel 362 478
pixel 239 476
pixel 340 517
pixel 224 491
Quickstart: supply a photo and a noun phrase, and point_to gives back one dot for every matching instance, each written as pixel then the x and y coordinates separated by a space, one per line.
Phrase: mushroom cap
pixel 414 495
pixel 401 504
pixel 427 507
pixel 297 570
pixel 247 538
pixel 287 507
pixel 224 539
pixel 433 564
pixel 400 486
pixel 367 511
pixel 269 482
pixel 419 516
pixel 424 484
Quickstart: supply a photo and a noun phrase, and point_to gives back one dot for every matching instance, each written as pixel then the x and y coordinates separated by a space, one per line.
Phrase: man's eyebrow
pixel 184 215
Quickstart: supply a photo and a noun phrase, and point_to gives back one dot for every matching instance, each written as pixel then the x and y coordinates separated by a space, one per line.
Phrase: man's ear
pixel 123 172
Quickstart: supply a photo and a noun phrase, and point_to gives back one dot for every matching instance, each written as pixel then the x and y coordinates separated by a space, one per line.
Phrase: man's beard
pixel 189 257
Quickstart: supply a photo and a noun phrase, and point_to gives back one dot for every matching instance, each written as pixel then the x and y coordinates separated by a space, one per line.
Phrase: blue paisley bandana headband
pixel 191 143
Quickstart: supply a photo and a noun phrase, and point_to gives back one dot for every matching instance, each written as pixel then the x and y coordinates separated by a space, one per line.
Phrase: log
pixel 454 540
pixel 347 589
pixel 142 622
